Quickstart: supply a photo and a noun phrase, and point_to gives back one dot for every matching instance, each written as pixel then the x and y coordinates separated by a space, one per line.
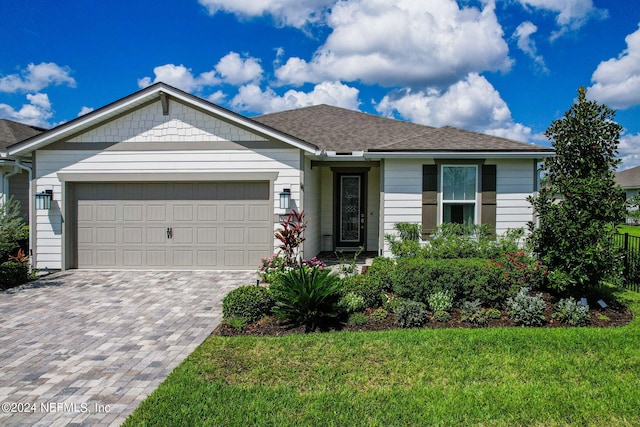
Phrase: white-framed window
pixel 459 192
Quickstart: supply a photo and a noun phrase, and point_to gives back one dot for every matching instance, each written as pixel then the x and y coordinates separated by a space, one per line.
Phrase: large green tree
pixel 579 204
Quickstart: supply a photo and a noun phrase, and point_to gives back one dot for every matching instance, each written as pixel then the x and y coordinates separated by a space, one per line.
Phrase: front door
pixel 350 216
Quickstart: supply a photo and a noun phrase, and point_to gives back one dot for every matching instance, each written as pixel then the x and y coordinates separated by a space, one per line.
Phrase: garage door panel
pixel 132 213
pixel 207 213
pixel 183 213
pixel 106 235
pixel 182 235
pixel 156 235
pixel 213 225
pixel 156 213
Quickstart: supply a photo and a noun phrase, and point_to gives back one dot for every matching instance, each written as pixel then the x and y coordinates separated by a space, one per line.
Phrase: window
pixel 459 194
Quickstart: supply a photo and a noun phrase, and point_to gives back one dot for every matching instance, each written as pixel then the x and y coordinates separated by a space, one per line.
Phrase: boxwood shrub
pixel 466 278
pixel 249 302
pixel 13 274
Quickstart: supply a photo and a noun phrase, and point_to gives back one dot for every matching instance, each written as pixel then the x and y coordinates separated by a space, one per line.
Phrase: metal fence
pixel 630 247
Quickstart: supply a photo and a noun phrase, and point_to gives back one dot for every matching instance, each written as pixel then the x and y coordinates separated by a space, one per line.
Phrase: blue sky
pixel 503 67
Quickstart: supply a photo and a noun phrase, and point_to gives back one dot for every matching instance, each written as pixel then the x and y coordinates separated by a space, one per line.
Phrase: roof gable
pixel 164 97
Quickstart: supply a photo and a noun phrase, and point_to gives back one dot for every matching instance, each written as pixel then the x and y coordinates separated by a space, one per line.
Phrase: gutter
pixel 459 155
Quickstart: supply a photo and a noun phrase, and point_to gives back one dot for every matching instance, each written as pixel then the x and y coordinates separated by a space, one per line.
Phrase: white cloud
pixel 236 70
pixel 472 103
pixel 294 13
pixel 231 69
pixel 616 82
pixel 37 77
pixel 37 112
pixel 85 110
pixel 252 98
pixel 403 42
pixel 528 45
pixel 629 151
pixel 178 76
pixel 571 14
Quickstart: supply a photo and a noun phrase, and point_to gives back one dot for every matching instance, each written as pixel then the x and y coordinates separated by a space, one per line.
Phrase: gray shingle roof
pixel 12 132
pixel 341 130
pixel 629 178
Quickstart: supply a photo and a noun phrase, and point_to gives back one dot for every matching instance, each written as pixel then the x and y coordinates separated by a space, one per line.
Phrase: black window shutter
pixel 488 211
pixel 429 199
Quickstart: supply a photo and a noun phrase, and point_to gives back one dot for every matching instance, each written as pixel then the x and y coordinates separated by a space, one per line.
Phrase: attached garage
pixel 169 225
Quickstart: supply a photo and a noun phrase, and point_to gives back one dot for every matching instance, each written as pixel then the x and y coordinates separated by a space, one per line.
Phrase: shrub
pixel 441 316
pixel 363 286
pixel 379 314
pixel 407 240
pixel 525 309
pixel 571 312
pixel 271 269
pixel 307 296
pixel 473 312
pixel 471 241
pixel 493 313
pixel 249 302
pixel 520 269
pixel 290 235
pixel 358 319
pixel 380 273
pixel 352 302
pixel 12 227
pixel 441 301
pixel 13 274
pixel 410 314
pixel 417 278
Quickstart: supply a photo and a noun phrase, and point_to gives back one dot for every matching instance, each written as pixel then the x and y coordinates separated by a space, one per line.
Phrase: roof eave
pixel 458 154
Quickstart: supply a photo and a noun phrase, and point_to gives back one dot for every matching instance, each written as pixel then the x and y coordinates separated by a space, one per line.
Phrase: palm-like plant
pixel 307 296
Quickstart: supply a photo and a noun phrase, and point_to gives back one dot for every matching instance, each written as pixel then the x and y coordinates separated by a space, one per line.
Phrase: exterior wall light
pixel 285 198
pixel 43 200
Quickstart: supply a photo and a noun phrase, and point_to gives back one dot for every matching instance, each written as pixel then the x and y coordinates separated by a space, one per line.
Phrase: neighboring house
pixel 14 176
pixel 162 179
pixel 629 180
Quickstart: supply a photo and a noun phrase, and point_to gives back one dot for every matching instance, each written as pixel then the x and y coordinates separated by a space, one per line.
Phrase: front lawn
pixel 493 376
pixel 633 230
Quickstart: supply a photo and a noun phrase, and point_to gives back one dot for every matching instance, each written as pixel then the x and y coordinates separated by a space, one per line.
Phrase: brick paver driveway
pixel 86 347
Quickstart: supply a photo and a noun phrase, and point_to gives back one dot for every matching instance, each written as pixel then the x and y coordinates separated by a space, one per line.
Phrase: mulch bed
pixel 614 315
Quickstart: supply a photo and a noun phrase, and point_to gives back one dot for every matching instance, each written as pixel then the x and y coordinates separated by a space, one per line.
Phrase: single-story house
pixel 14 175
pixel 162 179
pixel 629 180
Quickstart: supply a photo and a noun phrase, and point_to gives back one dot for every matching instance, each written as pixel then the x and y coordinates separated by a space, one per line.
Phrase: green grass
pixel 633 230
pixel 441 377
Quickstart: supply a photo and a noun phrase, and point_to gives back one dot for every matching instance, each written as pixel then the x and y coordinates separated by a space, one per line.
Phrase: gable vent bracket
pixel 164 99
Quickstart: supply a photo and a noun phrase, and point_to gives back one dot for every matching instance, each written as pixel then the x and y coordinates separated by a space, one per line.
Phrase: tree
pixel 12 227
pixel 580 205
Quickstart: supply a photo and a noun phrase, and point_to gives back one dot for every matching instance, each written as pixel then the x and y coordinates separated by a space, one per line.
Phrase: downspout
pixel 19 165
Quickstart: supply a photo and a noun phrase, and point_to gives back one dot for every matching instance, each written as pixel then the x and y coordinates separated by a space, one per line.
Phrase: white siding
pixel 515 182
pixel 326 197
pixel 312 209
pixel 183 123
pixel 402 188
pixel 373 209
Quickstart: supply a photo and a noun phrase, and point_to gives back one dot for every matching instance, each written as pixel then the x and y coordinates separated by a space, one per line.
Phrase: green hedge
pixel 249 302
pixel 468 278
pixel 13 274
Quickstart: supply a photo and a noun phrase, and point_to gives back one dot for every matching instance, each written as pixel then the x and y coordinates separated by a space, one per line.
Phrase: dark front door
pixel 350 218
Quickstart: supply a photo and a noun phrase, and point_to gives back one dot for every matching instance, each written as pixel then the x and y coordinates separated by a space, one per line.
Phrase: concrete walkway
pixel 86 347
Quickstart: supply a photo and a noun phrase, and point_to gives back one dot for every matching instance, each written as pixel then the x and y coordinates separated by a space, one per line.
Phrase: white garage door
pixel 200 225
